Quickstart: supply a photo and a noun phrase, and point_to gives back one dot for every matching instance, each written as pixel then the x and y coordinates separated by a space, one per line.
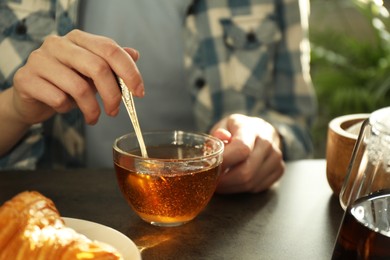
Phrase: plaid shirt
pixel 241 56
pixel 24 24
pixel 252 57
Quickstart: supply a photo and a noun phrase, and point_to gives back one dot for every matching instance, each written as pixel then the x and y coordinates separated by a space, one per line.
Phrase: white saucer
pixel 99 232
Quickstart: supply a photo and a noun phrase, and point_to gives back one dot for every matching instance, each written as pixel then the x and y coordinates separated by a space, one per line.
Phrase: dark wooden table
pixel 298 219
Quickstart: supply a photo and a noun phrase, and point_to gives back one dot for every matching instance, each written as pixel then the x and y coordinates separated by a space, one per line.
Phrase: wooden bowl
pixel 343 132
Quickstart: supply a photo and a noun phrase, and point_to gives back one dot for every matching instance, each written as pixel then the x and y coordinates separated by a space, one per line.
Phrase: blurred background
pixel 350 60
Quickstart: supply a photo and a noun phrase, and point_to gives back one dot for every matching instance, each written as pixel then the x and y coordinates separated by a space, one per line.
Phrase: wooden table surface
pixel 297 219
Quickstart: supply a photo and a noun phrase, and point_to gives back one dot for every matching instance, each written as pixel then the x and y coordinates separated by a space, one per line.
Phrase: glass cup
pixel 365 229
pixel 175 182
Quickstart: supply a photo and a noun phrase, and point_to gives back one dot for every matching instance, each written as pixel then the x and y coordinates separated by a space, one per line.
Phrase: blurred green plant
pixel 351 73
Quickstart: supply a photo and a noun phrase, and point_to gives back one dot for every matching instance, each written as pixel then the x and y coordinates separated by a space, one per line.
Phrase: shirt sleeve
pixel 26 154
pixel 23 27
pixel 292 101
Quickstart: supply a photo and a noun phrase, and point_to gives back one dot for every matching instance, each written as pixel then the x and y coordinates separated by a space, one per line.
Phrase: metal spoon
pixel 127 99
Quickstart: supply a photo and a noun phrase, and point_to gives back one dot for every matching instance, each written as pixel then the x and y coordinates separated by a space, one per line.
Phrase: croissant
pixel 31 228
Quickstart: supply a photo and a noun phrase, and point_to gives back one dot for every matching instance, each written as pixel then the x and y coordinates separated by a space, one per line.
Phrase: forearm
pixel 12 128
pixel 294 103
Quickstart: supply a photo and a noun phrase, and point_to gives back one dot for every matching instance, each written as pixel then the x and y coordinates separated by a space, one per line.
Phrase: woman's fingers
pixel 68 89
pixel 252 158
pixel 262 169
pixel 70 70
pixel 132 52
pixel 116 57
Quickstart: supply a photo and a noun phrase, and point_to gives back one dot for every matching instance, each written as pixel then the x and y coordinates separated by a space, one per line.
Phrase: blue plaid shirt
pixel 242 56
pixel 58 142
pixel 252 57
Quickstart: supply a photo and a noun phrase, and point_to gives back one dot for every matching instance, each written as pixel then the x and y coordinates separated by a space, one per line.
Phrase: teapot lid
pixel 379 141
pixel 380 120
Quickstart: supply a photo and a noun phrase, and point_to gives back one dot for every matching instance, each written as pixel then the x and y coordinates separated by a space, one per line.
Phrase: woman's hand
pixel 252 159
pixel 68 71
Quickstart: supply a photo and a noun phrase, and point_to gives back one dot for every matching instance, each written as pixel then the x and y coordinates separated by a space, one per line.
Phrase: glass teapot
pixel 369 168
pixel 365 229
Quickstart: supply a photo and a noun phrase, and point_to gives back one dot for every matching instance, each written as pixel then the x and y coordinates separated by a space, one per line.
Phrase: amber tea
pixel 175 182
pixel 365 229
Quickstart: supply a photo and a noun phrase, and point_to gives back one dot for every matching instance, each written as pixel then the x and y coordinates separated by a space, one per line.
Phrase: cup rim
pixel 177 132
pixel 336 124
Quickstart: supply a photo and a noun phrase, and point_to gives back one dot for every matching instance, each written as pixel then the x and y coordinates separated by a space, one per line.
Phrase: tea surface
pixel 169 194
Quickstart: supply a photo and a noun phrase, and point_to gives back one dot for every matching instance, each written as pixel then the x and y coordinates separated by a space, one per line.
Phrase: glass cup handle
pixel 349 185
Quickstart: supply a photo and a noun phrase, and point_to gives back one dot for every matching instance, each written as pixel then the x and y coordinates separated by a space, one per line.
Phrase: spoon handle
pixel 127 99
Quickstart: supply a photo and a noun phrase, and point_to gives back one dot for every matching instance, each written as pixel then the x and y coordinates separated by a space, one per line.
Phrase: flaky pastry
pixel 31 228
